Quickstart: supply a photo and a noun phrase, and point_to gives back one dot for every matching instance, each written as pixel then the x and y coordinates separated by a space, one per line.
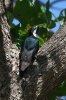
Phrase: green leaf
pixel 48 5
pixel 42 9
pixel 51 24
pixel 60 91
pixel 41 41
pixel 15 32
pixel 48 15
pixel 63 15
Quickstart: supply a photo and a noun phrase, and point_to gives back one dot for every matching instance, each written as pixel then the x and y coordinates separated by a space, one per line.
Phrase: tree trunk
pixel 9 88
pixel 39 80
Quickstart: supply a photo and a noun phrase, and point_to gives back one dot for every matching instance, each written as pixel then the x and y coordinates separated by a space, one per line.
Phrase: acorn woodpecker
pixel 29 51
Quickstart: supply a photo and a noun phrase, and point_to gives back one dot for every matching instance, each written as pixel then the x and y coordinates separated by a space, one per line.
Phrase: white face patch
pixel 34 32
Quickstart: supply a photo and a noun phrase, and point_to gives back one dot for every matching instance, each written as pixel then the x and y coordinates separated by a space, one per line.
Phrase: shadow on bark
pixel 42 62
pixel 29 83
pixel 35 73
pixel 4 73
pixel 55 57
pixel 51 76
pixel 30 78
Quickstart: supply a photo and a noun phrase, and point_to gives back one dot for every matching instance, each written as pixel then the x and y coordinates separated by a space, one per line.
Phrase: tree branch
pixel 8 61
pixel 41 79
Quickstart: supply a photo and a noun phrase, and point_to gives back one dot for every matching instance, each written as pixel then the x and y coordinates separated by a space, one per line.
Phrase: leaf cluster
pixel 28 15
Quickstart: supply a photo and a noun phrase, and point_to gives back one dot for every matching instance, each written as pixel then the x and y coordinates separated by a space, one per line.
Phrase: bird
pixel 28 52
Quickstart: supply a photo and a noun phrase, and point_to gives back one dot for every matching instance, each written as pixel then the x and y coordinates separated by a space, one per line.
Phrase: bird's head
pixel 34 31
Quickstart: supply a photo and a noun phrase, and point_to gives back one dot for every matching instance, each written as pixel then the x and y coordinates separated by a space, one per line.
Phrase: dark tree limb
pixel 8 60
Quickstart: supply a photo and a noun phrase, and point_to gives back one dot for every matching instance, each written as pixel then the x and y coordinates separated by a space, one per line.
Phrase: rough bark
pixel 8 60
pixel 40 79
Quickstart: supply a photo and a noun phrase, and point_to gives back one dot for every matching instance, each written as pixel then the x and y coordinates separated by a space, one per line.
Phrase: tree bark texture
pixel 40 80
pixel 8 60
